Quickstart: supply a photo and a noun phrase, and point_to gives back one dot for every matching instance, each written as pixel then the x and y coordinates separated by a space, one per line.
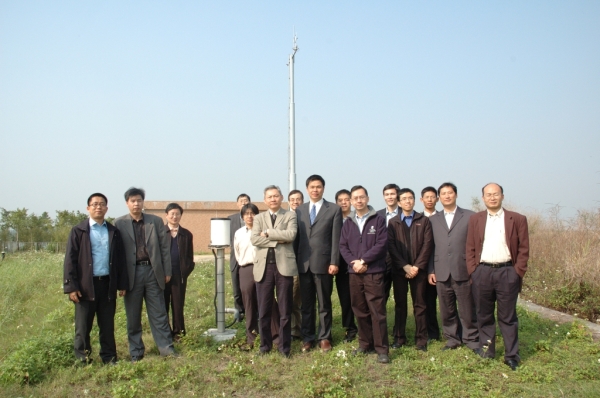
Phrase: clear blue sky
pixel 189 100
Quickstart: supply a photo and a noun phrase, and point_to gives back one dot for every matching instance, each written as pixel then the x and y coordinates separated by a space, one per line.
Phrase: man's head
pixel 493 195
pixel 429 198
pixel 448 193
pixel 241 200
pixel 390 195
pixel 407 200
pixel 359 199
pixel 97 206
pixel 248 212
pixel 315 186
pixel 295 199
pixel 134 198
pixel 174 213
pixel 342 199
pixel 273 197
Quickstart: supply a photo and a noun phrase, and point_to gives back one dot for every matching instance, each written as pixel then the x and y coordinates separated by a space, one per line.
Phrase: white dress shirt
pixel 449 215
pixel 244 250
pixel 390 214
pixel 495 249
pixel 317 205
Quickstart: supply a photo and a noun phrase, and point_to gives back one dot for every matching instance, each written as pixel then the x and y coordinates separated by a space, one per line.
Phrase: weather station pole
pixel 292 146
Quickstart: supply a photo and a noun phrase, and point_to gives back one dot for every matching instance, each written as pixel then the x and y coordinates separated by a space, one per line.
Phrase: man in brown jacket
pixel 497 254
pixel 410 243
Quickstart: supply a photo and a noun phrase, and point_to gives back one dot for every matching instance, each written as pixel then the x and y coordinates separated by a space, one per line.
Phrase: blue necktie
pixel 313 214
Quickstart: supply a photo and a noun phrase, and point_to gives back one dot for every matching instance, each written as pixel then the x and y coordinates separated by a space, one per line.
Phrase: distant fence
pixel 54 247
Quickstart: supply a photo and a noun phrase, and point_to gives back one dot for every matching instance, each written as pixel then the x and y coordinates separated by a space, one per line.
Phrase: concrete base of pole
pixel 228 334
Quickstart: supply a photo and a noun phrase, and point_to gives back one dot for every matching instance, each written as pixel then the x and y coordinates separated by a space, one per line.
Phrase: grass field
pixel 36 332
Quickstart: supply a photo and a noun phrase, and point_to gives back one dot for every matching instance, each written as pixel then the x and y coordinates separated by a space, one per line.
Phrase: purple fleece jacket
pixel 371 245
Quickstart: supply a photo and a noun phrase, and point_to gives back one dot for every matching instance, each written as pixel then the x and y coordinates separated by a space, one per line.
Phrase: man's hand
pixel 167 279
pixel 358 267
pixel 411 271
pixel 74 296
pixel 264 233
pixel 333 269
pixel 122 293
pixel 432 279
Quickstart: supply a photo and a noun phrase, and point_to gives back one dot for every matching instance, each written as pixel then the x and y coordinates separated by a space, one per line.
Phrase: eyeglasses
pixel 359 198
pixel 97 204
pixel 492 195
pixel 407 199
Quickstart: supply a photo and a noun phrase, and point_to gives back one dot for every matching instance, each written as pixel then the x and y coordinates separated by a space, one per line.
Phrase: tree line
pixel 22 226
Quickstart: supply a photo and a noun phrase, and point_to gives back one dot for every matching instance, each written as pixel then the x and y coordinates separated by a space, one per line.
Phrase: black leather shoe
pixel 478 351
pixel 511 363
pixel 397 345
pixel 383 358
pixel 447 347
pixel 136 358
pixel 422 348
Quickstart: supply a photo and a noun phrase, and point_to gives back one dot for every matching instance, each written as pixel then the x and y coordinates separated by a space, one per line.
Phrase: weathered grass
pixel 557 360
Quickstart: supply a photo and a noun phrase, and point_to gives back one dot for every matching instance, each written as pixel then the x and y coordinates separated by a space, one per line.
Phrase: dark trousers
pixel 388 280
pixel 283 286
pixel 418 284
pixel 319 287
pixel 433 328
pixel 491 286
pixel 450 293
pixel 297 309
pixel 175 301
pixel 249 297
pixel 342 284
pixel 235 286
pixel 103 308
pixel 368 303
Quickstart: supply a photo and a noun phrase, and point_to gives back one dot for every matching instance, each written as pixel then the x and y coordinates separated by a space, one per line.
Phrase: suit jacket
pixel 319 244
pixel 449 256
pixel 388 257
pixel 185 242
pixel 517 240
pixel 157 244
pixel 281 238
pixel 236 223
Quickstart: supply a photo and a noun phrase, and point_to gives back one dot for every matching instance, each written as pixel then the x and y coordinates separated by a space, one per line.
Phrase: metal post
pixel 292 127
pixel 220 290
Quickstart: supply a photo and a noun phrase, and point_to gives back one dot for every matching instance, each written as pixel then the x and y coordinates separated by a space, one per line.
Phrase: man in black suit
pixel 319 226
pixel 234 267
pixel 429 198
pixel 391 197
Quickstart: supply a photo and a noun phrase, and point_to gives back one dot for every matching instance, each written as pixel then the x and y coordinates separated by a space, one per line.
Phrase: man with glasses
pixel 149 266
pixel 410 243
pixel 497 254
pixel 429 198
pixel 390 196
pixel 94 269
pixel 237 223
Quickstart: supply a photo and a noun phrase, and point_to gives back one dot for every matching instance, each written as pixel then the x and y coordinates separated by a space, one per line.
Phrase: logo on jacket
pixel 371 231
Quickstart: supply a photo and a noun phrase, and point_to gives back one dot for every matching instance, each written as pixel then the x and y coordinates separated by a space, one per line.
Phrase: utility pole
pixel 292 145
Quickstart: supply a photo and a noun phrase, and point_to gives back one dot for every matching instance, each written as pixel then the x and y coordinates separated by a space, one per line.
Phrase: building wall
pixel 196 217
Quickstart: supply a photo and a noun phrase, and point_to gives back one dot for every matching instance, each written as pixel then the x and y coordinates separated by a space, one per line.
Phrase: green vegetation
pixel 36 327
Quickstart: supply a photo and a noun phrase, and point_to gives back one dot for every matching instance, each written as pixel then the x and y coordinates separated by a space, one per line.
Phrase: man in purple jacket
pixel 363 244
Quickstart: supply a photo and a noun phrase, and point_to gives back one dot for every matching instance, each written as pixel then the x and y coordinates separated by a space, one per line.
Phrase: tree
pixel 64 221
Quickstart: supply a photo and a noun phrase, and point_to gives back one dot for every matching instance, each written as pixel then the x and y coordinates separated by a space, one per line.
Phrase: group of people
pixel 142 258
pixel 284 262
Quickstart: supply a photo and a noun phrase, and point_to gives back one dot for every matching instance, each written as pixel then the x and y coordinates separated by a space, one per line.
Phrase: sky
pixel 190 100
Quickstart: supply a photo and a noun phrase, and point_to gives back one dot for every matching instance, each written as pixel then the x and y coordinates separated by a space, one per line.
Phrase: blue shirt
pixel 407 219
pixel 99 241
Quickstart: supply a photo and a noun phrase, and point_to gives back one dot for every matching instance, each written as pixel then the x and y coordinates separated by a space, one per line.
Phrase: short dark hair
pixel 356 188
pixel 495 183
pixel 135 192
pixel 392 186
pixel 97 194
pixel 249 206
pixel 315 177
pixel 295 191
pixel 243 195
pixel 172 206
pixel 428 189
pixel 341 192
pixel 447 185
pixel 406 190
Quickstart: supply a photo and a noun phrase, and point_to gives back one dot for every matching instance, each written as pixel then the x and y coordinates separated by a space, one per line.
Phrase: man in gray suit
pixel 234 267
pixel 318 256
pixel 149 268
pixel 273 234
pixel 448 271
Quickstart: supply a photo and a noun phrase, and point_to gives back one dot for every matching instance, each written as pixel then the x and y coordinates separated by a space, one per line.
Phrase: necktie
pixel 313 214
pixel 273 218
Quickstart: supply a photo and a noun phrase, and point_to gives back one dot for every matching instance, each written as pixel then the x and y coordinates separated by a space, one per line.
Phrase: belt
pixel 102 278
pixel 142 263
pixel 498 265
